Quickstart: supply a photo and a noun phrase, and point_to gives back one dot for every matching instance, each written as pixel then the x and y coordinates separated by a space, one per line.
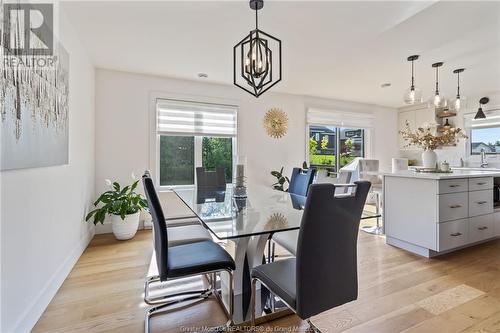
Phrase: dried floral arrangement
pixel 425 137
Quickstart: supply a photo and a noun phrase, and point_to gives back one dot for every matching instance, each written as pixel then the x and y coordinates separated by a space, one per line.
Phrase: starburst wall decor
pixel 276 123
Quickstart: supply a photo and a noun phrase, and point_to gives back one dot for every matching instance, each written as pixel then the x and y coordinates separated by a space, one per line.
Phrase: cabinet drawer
pixel 453 186
pixel 478 184
pixel 480 227
pixel 452 234
pixel 453 206
pixel 480 203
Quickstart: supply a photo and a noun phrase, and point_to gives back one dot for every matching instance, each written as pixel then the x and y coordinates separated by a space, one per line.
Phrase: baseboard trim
pixel 35 310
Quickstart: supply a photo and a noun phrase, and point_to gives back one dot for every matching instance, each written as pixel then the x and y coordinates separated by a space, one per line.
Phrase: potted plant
pixel 426 138
pixel 123 205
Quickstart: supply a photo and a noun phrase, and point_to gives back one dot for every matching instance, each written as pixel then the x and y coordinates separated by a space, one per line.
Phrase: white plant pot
pixel 127 228
pixel 429 158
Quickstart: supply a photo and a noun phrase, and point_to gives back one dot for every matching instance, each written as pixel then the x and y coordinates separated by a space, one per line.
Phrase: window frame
pixel 367 142
pixel 197 158
pixel 469 142
pixel 154 137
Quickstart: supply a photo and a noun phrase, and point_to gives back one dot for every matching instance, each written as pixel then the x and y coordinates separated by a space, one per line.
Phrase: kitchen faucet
pixel 484 162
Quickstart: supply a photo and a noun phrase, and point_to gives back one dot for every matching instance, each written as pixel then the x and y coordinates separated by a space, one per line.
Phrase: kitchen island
pixel 434 213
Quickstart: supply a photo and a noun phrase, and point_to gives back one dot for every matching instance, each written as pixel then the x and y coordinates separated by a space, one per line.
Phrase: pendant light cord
pixel 256 19
pixel 458 85
pixel 412 79
pixel 437 81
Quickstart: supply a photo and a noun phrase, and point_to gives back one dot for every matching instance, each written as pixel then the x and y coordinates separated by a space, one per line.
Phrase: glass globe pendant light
pixel 457 104
pixel 437 100
pixel 413 94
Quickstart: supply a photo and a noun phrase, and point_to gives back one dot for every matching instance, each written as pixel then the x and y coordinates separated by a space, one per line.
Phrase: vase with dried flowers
pixel 426 137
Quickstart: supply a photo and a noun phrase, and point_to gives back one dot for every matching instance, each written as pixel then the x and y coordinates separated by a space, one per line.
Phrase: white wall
pixel 43 209
pixel 453 154
pixel 122 125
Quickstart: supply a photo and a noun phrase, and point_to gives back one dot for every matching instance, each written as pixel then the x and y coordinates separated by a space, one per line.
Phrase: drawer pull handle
pixel 455 206
pixel 481 202
pixel 482 228
pixel 482 183
pixel 456 234
pixel 454 185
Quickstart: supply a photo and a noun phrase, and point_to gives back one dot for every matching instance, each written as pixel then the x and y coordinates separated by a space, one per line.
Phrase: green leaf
pixel 275 173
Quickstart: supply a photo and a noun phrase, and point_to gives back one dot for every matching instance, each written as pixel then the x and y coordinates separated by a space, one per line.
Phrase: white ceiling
pixel 342 50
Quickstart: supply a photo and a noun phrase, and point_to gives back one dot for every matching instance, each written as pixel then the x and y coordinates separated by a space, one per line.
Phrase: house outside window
pixel 485 139
pixel 335 139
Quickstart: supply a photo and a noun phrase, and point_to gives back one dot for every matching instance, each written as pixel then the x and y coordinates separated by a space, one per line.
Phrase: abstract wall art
pixel 34 91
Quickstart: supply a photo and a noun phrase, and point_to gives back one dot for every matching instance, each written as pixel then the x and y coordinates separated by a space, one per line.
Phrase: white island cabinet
pixel 435 213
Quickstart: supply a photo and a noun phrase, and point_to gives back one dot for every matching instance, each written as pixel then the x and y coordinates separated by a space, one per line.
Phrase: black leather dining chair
pixel 300 181
pixel 212 179
pixel 181 261
pixel 323 275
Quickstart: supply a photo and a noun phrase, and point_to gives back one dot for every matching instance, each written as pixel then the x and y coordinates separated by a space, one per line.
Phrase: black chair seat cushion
pixel 197 258
pixel 279 276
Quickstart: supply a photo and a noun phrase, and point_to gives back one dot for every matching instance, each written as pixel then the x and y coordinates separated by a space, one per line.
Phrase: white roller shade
pixel 339 118
pixel 198 119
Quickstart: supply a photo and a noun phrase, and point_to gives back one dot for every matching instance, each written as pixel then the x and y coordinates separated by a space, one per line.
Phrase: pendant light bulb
pixel 413 94
pixel 437 100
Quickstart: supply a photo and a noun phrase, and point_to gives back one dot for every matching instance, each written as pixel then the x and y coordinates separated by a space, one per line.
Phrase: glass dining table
pixel 248 223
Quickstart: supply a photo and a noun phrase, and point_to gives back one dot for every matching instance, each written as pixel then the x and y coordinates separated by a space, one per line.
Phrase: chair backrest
pixel 206 178
pixel 343 177
pixel 300 181
pixel 327 249
pixel 159 226
pixel 365 167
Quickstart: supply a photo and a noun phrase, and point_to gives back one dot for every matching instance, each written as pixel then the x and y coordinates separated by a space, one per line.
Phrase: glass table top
pixel 263 211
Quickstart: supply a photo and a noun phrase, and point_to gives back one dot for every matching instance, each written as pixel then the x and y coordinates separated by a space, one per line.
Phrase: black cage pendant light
pixel 257 58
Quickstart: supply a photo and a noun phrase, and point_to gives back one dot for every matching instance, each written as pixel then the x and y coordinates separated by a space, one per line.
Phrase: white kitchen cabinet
pixel 431 214
pixel 423 116
pixel 415 117
pixel 405 117
pixel 496 221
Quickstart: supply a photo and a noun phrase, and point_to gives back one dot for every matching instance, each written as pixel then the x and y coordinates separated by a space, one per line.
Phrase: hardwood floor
pixel 398 292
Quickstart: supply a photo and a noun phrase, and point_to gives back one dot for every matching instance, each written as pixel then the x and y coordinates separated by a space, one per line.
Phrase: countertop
pixel 437 176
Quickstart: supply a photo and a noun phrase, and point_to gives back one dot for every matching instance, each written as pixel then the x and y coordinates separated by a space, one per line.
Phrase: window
pixel 337 138
pixel 192 135
pixel 485 139
pixel 323 143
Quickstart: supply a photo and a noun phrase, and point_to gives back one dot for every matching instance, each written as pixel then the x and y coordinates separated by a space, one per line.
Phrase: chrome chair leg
pixel 231 297
pixel 253 297
pixel 312 326
pixel 154 310
pixel 204 293
pixel 376 230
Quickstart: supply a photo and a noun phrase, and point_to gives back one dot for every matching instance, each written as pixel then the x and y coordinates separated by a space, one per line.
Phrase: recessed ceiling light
pixel 385 85
pixel 202 75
